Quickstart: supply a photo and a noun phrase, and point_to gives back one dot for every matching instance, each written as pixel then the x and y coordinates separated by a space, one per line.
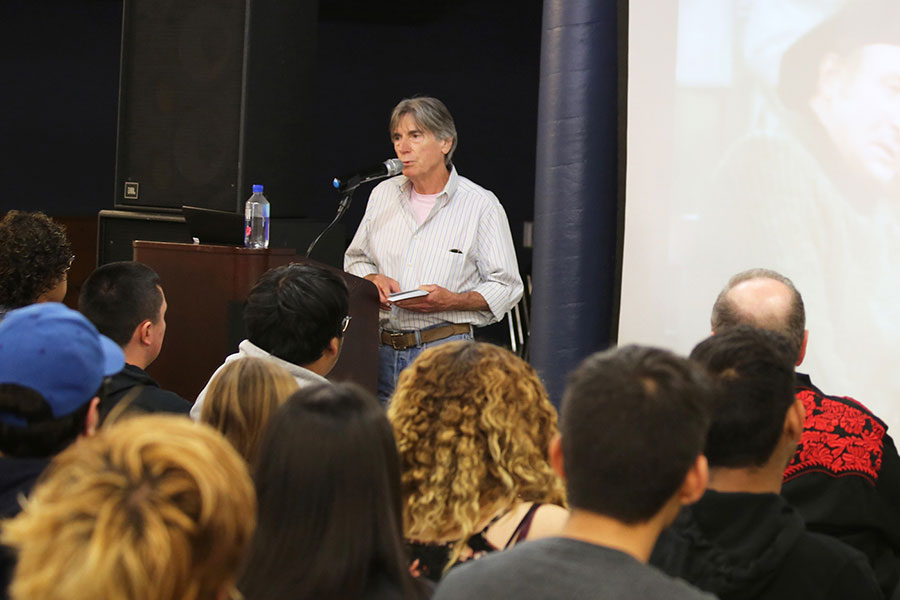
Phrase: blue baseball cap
pixel 57 352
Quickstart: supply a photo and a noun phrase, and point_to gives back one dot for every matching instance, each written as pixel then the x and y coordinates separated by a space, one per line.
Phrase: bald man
pixel 845 476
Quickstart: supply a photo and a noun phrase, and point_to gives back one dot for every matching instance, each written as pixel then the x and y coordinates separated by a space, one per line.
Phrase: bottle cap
pixel 257 189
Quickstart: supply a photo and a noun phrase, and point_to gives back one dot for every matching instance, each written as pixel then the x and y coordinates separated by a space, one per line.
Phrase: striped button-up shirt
pixel 463 245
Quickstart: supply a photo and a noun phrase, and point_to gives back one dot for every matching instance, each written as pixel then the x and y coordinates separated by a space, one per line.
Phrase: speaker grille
pixel 180 102
pixel 210 92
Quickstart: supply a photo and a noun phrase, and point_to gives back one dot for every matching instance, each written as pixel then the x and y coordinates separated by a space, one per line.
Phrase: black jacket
pixel 743 546
pixel 151 398
pixel 845 479
pixel 17 477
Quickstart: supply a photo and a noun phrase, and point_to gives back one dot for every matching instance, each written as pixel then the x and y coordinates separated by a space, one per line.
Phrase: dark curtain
pixel 576 187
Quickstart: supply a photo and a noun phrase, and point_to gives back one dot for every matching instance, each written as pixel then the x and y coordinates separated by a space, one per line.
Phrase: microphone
pixel 388 168
pixel 347 184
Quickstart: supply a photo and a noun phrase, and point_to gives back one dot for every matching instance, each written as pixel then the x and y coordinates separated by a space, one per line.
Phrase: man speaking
pixel 433 230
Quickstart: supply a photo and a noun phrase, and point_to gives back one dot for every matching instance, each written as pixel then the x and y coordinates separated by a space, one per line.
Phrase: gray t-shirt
pixel 562 568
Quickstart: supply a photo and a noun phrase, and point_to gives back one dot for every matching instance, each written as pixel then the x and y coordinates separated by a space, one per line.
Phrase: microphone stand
pixel 344 204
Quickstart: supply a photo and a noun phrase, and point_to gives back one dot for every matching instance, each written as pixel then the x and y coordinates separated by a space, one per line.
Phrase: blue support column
pixel 576 188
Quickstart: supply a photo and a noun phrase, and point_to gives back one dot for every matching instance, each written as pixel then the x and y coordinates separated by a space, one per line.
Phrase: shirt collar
pixel 405 185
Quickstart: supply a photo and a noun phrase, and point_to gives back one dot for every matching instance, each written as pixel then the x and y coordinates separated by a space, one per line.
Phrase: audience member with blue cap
pixel 52 366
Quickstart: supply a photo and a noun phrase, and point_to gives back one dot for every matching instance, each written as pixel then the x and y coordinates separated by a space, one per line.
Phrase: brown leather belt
pixel 402 340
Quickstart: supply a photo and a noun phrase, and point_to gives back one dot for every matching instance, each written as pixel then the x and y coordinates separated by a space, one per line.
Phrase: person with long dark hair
pixel 327 476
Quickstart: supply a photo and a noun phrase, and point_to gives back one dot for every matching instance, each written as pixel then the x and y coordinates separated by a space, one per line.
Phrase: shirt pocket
pixel 450 268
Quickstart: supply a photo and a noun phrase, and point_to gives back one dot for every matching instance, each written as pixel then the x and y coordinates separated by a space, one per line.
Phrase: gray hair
pixel 431 115
pixel 725 314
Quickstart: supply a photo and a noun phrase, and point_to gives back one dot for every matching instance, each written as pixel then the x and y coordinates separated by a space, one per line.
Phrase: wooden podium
pixel 206 288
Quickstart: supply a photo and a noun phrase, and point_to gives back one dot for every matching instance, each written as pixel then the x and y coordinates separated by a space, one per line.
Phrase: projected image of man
pixel 847 80
pixel 816 195
pixel 775 144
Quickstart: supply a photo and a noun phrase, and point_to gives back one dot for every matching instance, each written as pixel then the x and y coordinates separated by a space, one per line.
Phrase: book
pixel 407 295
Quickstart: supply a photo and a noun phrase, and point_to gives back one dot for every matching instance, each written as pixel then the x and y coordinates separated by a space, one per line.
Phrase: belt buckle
pixel 395 337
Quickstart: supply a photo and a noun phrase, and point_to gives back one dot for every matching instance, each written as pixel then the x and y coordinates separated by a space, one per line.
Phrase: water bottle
pixel 256 220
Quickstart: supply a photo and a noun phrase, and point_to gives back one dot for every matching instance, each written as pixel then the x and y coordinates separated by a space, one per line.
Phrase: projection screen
pixel 766 133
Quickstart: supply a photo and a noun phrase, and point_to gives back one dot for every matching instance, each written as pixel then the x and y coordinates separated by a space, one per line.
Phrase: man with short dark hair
pixel 845 475
pixel 633 425
pixel 432 229
pixel 52 365
pixel 295 316
pixel 126 303
pixel 742 539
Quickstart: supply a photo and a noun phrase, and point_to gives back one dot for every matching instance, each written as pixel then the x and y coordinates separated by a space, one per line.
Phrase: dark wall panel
pixel 481 58
pixel 60 65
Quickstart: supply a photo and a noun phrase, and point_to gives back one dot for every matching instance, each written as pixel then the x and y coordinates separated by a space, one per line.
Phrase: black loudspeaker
pixel 214 96
pixel 117 229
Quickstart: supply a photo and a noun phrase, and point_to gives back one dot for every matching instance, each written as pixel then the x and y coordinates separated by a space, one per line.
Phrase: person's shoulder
pixel 164 399
pixel 17 478
pixel 781 169
pixel 665 587
pixel 548 521
pixel 561 567
pixel 494 575
pixel 387 188
pixel 827 551
pixel 640 580
pixel 303 376
pixel 772 149
pixel 841 436
pixel 835 565
pixel 384 197
pixel 805 388
pixel 474 578
pixel 155 399
pixel 472 192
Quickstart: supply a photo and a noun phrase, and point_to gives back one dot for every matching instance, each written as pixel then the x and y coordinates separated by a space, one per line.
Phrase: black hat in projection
pixel 856 24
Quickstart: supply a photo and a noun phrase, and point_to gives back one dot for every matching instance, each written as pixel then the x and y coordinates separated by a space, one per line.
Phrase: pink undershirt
pixel 421 204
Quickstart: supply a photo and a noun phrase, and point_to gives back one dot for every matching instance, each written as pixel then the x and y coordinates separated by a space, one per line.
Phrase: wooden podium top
pixel 211 249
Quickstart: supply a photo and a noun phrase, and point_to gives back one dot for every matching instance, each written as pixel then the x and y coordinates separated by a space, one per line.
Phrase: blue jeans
pixel 391 362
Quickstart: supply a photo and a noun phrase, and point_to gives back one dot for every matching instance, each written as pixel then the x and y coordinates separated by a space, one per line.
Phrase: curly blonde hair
pixel 154 507
pixel 473 424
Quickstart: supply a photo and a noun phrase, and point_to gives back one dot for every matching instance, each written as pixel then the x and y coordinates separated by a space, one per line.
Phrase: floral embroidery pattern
pixel 840 437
